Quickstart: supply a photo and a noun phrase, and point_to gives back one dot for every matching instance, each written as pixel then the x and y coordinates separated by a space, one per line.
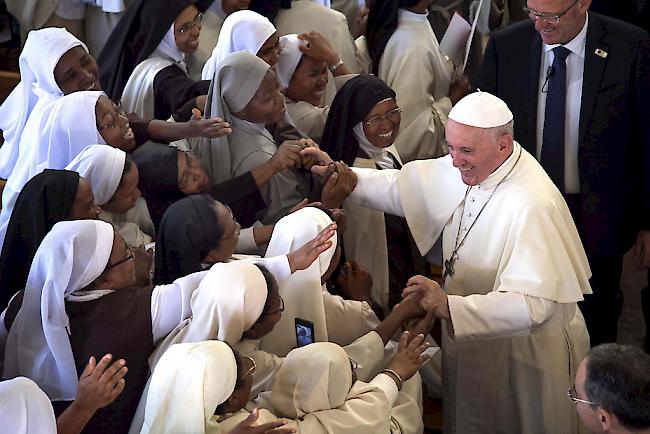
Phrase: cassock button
pixel 471 199
pixel 469 214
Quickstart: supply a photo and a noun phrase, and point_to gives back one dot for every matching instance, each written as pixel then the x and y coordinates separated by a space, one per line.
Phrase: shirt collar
pixel 405 15
pixel 575 45
pixel 503 170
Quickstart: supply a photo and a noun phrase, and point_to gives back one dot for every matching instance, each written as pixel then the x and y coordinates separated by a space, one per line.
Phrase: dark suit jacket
pixel 614 131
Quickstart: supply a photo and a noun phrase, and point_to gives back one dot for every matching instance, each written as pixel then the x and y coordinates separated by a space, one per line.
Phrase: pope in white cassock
pixel 513 335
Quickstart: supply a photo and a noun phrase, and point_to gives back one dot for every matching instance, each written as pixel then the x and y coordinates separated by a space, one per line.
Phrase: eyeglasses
pixel 281 309
pixel 196 22
pixel 545 16
pixel 129 257
pixel 394 116
pixel 573 396
pixel 120 113
pixel 250 365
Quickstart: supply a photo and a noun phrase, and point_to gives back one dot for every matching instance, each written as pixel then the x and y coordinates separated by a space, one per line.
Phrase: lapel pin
pixel 601 53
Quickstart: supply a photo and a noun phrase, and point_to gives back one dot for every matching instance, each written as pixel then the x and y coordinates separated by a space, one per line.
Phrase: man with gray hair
pixel 612 390
pixel 514 270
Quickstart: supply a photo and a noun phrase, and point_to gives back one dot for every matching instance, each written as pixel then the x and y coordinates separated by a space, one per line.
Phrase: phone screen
pixel 304 332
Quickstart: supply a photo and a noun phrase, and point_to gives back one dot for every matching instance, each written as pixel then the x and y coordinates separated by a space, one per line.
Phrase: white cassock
pixel 516 335
pixel 413 66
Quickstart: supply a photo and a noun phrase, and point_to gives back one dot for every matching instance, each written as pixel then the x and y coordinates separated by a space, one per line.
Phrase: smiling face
pixel 226 244
pixel 570 23
pixel 76 70
pixel 120 270
pixel 192 177
pixel 84 206
pixel 113 125
pixel 308 81
pixel 270 50
pixel 126 194
pixel 476 152
pixel 187 28
pixel 267 105
pixel 382 123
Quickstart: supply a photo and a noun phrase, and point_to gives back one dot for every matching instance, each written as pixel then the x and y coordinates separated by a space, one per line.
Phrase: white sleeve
pixel 170 304
pixel 497 314
pixel 246 241
pixel 377 189
pixel 387 385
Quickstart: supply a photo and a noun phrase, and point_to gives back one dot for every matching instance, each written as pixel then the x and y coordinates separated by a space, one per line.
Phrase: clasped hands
pixel 433 299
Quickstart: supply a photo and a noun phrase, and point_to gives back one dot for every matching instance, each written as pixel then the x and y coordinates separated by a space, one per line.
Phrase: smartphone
pixel 304 332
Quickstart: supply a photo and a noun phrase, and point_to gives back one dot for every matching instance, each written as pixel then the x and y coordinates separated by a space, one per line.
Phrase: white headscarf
pixel 236 83
pixel 302 291
pixel 229 300
pixel 168 49
pixel 25 409
pixel 241 31
pixel 380 155
pixel 289 58
pixel 54 134
pixel 187 386
pixel 102 166
pixel 70 257
pixel 41 53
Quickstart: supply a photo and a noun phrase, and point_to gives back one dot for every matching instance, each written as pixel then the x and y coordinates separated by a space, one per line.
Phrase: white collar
pixel 503 170
pixel 406 15
pixel 575 45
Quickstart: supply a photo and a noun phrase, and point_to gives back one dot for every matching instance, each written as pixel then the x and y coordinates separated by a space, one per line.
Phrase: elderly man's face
pixel 572 12
pixel 586 413
pixel 475 151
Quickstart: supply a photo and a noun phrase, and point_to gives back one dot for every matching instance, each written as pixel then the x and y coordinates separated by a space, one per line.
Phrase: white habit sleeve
pixel 497 314
pixel 377 189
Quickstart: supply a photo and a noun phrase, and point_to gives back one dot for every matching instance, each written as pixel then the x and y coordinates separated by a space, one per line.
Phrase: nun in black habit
pixel 361 126
pixel 168 175
pixel 143 61
pixel 48 198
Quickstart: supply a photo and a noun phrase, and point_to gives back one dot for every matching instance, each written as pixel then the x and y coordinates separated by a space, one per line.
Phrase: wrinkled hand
pixel 304 256
pixel 318 48
pixel 408 358
pixel 355 281
pixel 433 297
pixel 100 383
pixel 458 89
pixel 246 426
pixel 287 155
pixel 142 260
pixel 410 307
pixel 320 160
pixel 209 128
pixel 338 186
pixel 423 325
pixel 642 249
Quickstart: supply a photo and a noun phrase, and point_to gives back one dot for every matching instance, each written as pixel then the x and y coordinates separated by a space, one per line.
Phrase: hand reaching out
pixel 209 128
pixel 275 427
pixel 355 281
pixel 338 186
pixel 408 358
pixel 100 383
pixel 305 255
pixel 434 298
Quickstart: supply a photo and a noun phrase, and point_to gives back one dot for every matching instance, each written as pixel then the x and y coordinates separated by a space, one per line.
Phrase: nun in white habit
pixel 335 319
pixel 233 94
pixel 25 408
pixel 317 391
pixel 242 31
pixel 37 86
pixel 54 134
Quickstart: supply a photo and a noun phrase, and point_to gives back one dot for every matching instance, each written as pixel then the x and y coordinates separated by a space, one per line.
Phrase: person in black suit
pixel 587 119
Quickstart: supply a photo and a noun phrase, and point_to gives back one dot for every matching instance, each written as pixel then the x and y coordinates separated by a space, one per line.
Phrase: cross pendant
pixel 449 267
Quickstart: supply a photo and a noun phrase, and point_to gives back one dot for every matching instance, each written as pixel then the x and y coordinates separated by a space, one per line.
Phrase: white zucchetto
pixel 482 110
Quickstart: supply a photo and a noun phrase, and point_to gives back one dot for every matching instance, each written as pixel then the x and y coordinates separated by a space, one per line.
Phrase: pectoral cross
pixel 449 267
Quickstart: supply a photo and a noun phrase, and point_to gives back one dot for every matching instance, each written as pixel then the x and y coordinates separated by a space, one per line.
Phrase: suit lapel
pixel 593 71
pixel 534 64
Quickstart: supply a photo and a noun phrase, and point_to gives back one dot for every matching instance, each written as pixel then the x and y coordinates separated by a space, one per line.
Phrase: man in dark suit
pixel 578 84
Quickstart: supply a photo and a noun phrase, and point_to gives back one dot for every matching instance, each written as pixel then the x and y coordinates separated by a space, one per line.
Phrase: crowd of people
pixel 226 216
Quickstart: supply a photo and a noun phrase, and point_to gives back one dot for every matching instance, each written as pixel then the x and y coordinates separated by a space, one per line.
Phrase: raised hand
pixel 275 427
pixel 305 255
pixel 209 128
pixel 287 155
pixel 408 358
pixel 100 383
